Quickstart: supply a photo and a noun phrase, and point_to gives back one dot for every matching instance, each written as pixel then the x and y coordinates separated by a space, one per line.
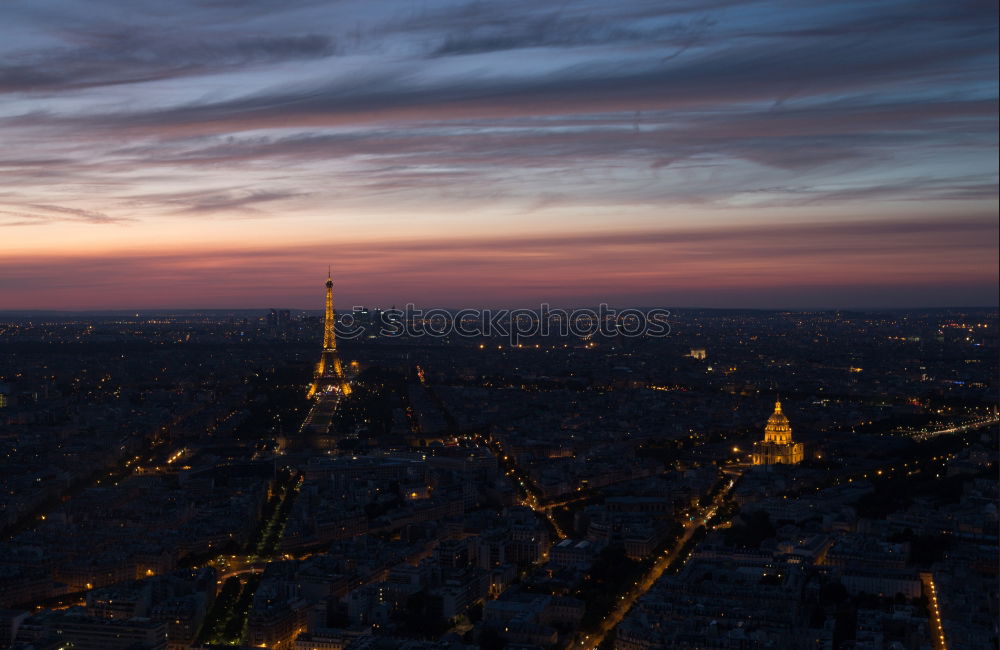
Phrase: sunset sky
pixel 690 153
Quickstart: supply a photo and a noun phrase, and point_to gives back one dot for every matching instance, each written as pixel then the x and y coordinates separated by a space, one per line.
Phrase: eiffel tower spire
pixel 330 317
pixel 329 374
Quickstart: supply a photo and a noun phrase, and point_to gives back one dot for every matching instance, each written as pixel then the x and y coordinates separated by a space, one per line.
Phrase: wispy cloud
pixel 449 119
pixel 35 213
pixel 138 55
pixel 213 201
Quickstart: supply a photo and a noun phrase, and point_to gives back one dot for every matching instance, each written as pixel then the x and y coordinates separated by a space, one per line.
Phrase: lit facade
pixel 777 446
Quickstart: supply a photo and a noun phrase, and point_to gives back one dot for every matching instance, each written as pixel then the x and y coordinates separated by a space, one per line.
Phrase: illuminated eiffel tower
pixel 329 375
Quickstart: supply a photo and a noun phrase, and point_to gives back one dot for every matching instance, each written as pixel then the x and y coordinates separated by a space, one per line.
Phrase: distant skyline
pixel 220 154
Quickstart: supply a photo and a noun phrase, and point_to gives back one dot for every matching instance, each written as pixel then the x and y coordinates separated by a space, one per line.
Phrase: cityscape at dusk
pixel 458 325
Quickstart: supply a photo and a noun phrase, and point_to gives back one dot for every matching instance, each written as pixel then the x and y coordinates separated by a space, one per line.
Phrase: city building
pixel 777 446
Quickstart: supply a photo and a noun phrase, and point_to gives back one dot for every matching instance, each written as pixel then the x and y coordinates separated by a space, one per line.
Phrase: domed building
pixel 777 446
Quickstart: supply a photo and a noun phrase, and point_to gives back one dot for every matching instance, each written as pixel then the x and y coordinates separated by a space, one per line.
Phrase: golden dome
pixel 778 428
pixel 777 419
pixel 777 446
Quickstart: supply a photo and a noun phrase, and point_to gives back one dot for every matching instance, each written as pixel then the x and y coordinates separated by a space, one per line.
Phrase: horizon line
pixel 495 307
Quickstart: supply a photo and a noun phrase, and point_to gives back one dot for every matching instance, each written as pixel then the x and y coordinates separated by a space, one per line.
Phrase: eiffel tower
pixel 329 374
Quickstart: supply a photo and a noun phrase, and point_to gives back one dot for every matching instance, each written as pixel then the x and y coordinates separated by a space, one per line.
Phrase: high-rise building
pixel 777 446
pixel 284 319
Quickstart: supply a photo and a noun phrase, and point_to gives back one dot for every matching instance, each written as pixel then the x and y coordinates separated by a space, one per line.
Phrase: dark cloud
pixel 729 76
pixel 456 20
pixel 449 157
pixel 558 30
pixel 134 55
